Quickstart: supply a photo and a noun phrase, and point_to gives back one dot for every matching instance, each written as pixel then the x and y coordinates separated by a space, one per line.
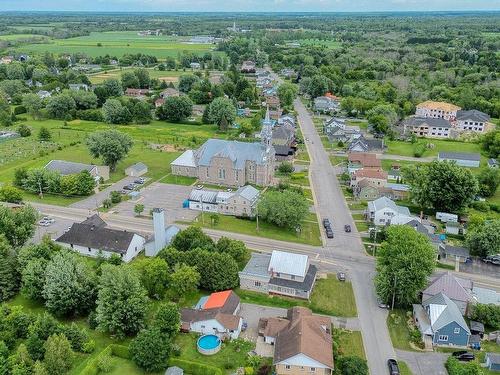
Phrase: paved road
pixel 331 204
pixel 424 363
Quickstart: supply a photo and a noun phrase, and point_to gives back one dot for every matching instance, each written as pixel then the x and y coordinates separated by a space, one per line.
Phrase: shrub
pixel 90 115
pixel 419 150
pixel 194 368
pixel 115 197
pixel 24 130
pixel 286 167
pixel 105 363
pixel 20 109
pixel 481 206
pixel 88 347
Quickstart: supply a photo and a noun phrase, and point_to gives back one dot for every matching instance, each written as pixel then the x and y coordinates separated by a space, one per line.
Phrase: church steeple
pixel 266 134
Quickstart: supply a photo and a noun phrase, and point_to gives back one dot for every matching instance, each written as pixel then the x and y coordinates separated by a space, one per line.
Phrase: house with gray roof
pixel 421 228
pixel 383 211
pixel 136 170
pixel 453 253
pixel 492 361
pixel 281 272
pixel 230 163
pixel 65 168
pixel 326 104
pixel 457 289
pixel 463 159
pixel 472 121
pixel 441 323
pixel 429 127
pixel 362 144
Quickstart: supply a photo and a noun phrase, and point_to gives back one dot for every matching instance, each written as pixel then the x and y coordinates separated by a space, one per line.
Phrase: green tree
pixel 285 209
pixel 58 355
pixel 351 365
pixel 286 167
pixel 404 263
pixel 287 93
pixel 143 78
pixel 154 274
pixel 441 185
pixel 186 82
pixel 488 314
pixel 175 108
pixel 61 106
pixel 33 104
pixel 38 332
pixel 44 134
pixel 18 226
pixel 9 275
pixel 484 239
pixel 235 248
pixel 129 80
pixel 491 143
pixel 21 363
pixel 33 279
pixel 192 238
pixel 488 180
pixel 222 109
pixel 10 194
pixel 150 350
pixel 114 112
pixel 113 88
pixel 115 197
pixel 24 130
pixel 111 145
pixel 121 302
pixel 168 319
pixel 184 280
pixel 139 209
pixel 70 285
pixel 141 113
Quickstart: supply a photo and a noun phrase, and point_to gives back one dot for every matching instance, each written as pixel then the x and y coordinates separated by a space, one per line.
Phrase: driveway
pixel 94 201
pixel 167 196
pixel 427 363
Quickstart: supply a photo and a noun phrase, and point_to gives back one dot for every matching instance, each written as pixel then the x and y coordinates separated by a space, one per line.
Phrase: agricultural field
pixel 118 44
pixel 15 37
pixel 167 75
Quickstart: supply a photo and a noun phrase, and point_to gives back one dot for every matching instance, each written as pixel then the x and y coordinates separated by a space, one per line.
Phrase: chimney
pixel 159 228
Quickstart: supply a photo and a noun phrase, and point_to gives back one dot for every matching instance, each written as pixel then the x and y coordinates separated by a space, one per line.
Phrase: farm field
pixel 118 43
pixel 167 75
pixel 13 37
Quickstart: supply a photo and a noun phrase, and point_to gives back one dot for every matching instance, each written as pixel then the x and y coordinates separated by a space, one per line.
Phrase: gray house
pixel 463 159
pixel 492 361
pixel 362 144
pixel 457 289
pixel 441 323
pixel 279 273
pixel 136 170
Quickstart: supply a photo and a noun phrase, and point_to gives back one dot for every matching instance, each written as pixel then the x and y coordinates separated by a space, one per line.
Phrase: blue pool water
pixel 208 342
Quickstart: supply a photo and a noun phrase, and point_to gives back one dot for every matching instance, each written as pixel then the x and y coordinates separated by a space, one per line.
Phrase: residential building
pixel 492 163
pixel 169 92
pixel 287 120
pixel 79 86
pixel 362 160
pixel 159 102
pixel 427 231
pixel 441 323
pixel 457 289
pixel 272 102
pixel 42 94
pixel 287 72
pixel 373 177
pixel 485 296
pixel 248 67
pixel 230 163
pixel 136 170
pixel 492 361
pixel 429 127
pixel 69 167
pixel 463 159
pixel 453 227
pixel 384 211
pixel 279 273
pixel 434 109
pixel 140 94
pixel 362 144
pixel 326 104
pixel 216 314
pixel 302 342
pixel 93 238
pixel 195 65
pixel 264 83
pixel 162 236
pixel 241 203
pixel 473 120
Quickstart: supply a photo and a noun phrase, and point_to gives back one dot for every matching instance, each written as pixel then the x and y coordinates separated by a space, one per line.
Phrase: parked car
pixel 382 305
pixel 129 187
pixel 43 223
pixel 326 223
pixel 493 259
pixel 464 355
pixel 341 276
pixel 329 232
pixel 393 367
pixel 347 228
pixel 139 181
pixel 244 326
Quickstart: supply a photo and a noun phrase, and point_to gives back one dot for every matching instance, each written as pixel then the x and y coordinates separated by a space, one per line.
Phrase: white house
pixel 472 120
pixel 136 170
pixel 384 211
pixel 216 314
pixel 92 238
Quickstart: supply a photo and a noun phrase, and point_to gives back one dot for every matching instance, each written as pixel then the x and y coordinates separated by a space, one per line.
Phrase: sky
pixel 248 5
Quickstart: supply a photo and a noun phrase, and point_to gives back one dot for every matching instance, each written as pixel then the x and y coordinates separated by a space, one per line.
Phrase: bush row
pixel 194 368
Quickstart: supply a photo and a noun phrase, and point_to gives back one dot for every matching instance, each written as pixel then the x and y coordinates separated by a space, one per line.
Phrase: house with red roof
pixel 214 314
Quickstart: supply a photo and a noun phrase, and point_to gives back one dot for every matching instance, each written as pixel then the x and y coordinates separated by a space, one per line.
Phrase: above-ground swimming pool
pixel 208 344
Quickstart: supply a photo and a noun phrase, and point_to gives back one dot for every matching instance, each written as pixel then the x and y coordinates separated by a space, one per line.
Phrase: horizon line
pixel 250 12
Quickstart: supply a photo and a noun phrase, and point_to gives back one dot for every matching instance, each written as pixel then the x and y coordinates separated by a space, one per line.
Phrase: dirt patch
pixel 169 79
pixel 163 147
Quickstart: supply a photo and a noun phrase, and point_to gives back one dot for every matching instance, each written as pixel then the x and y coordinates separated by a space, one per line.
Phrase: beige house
pixel 372 177
pixel 230 163
pixel 303 342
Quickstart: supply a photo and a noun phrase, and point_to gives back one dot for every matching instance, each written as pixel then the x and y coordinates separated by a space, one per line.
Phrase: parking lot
pixel 166 196
pixel 54 230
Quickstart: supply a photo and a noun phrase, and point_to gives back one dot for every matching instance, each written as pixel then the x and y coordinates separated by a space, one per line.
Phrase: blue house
pixel 441 323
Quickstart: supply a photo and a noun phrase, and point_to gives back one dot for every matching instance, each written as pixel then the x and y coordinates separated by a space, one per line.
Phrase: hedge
pixel 194 368
pixel 115 350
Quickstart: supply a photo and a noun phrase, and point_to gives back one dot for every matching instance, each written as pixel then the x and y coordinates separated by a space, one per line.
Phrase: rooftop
pixel 238 152
pixel 429 121
pixel 443 311
pixel 185 160
pixel 68 167
pixel 384 202
pixel 217 300
pixel 447 107
pixel 288 263
pixel 454 287
pixel 473 115
pixel 460 156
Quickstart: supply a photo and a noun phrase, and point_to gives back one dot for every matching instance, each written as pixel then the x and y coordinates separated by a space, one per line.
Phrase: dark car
pixel 129 187
pixel 463 355
pixel 329 232
pixel 326 223
pixel 347 228
pixel 493 259
pixel 139 181
pixel 393 367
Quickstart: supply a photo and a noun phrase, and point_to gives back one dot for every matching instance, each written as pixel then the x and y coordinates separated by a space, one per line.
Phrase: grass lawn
pixel 310 233
pixel 122 366
pixel 358 216
pixel 400 335
pixel 329 297
pixel 361 226
pixel 178 180
pixel 119 43
pixel 335 160
pixel 404 369
pixel 407 148
pixel 232 354
pixel 350 343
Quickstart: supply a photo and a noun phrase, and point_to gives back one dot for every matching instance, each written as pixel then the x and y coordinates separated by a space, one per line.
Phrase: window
pixel 202 326
pixel 222 174
pixel 313 369
pixel 278 274
pixel 71 245
pixel 443 337
pixel 292 277
pixel 287 367
pixel 89 249
pixel 257 283
pixel 207 172
pixel 456 330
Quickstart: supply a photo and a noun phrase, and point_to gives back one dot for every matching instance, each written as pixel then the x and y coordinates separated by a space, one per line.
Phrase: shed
pixel 477 328
pixel 174 370
pixel 136 170
pixel 493 361
pixel 463 159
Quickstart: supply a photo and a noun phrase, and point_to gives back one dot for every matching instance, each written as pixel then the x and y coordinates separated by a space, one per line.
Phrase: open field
pixel 118 43
pixel 13 37
pixel 167 75
pixel 407 148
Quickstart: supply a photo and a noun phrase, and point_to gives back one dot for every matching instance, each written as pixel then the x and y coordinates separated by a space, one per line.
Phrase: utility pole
pixel 202 217
pixel 40 189
pixel 257 216
pixel 394 291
